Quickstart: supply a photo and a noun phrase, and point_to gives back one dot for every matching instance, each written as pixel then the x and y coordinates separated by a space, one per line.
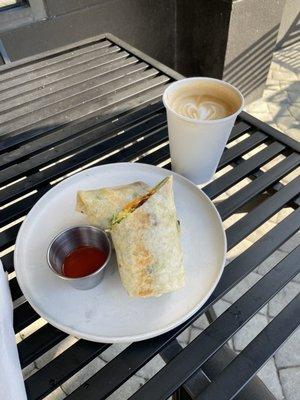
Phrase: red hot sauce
pixel 83 261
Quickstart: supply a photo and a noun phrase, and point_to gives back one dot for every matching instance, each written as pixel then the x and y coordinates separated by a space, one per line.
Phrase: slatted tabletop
pixel 99 102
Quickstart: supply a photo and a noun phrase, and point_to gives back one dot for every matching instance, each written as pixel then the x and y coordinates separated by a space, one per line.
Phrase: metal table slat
pixel 126 154
pixel 220 331
pixel 13 72
pixel 198 381
pixel 67 98
pixel 16 210
pixel 15 289
pixel 110 106
pixel 8 262
pixel 139 148
pixel 241 171
pixel 119 369
pixel 20 208
pixel 56 67
pixel 268 178
pixel 268 129
pixel 8 236
pixel 246 262
pixel 239 128
pixel 62 149
pixel 158 156
pixel 38 343
pixel 56 97
pixel 242 147
pixel 24 315
pixel 260 349
pixel 254 390
pixel 238 231
pixel 66 133
pixel 62 368
pixel 70 82
pixel 55 113
pixel 101 63
pixel 76 144
pixel 137 355
pixel 89 154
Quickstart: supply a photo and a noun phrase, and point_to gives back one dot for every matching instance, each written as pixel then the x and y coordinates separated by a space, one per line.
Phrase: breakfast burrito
pixel 100 205
pixel 146 238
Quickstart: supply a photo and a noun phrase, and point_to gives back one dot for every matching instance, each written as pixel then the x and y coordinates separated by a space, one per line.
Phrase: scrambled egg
pixel 135 203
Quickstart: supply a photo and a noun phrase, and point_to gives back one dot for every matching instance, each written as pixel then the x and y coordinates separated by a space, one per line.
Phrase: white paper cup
pixel 196 146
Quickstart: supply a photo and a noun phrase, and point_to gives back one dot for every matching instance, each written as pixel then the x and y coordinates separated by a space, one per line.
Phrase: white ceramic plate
pixel 106 313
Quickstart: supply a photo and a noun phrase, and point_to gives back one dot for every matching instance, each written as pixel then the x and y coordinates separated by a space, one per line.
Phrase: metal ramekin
pixel 70 239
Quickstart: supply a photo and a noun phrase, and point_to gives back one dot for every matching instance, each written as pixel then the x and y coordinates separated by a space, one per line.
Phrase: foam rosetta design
pixel 203 107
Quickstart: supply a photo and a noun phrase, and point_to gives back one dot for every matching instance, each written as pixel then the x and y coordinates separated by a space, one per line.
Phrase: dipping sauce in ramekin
pixel 80 255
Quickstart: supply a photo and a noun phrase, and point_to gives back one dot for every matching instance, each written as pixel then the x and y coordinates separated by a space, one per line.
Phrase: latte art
pixel 202 107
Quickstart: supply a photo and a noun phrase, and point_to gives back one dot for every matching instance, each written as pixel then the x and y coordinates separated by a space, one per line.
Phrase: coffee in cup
pixel 201 113
pixel 204 101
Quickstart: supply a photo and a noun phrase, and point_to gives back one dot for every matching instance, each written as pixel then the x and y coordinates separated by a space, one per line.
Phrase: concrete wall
pixel 60 7
pixel 252 35
pixel 148 25
pixel 202 32
pixel 232 40
pixel 229 39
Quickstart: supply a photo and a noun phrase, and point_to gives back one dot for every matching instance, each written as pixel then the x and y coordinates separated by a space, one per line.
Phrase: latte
pixel 204 101
pixel 201 113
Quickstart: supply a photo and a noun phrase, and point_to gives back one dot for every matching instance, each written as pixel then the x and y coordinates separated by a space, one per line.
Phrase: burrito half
pixel 100 205
pixel 146 238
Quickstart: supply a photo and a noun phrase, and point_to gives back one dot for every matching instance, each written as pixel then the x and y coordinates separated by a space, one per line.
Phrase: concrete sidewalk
pixel 280 104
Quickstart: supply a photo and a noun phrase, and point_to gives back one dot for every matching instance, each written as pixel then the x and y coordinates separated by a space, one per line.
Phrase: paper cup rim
pixel 200 121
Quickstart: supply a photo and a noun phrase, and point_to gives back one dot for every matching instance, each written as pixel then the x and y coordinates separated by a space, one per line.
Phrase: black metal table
pixel 96 102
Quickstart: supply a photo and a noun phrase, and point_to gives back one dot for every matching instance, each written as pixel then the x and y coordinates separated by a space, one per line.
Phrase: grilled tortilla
pixel 146 238
pixel 100 205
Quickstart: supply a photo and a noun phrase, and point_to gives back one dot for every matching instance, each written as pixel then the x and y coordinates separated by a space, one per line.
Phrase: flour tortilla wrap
pixel 146 238
pixel 100 205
